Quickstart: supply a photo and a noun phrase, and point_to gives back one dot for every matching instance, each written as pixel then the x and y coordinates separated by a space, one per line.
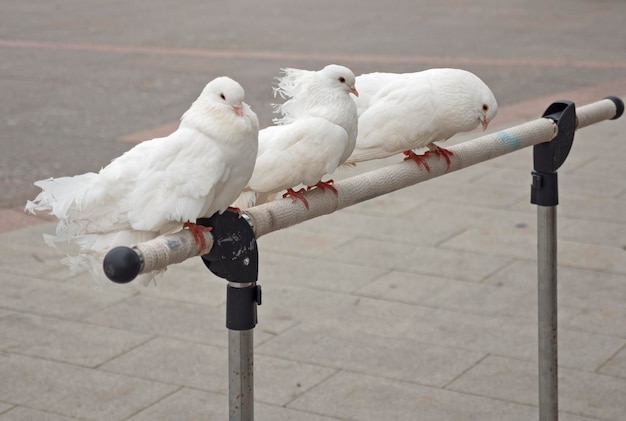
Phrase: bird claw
pixel 297 195
pixel 439 151
pixel 198 235
pixel 418 159
pixel 324 185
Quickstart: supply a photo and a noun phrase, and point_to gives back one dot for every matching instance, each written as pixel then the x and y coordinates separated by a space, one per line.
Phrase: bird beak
pixel 484 122
pixel 238 110
pixel 354 91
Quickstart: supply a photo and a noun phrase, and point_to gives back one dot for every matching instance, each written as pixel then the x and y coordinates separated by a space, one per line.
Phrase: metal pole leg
pixel 548 157
pixel 241 317
pixel 241 376
pixel 547 308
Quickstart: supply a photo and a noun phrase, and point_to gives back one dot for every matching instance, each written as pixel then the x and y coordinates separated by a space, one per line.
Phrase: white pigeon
pixel 402 112
pixel 160 185
pixel 316 134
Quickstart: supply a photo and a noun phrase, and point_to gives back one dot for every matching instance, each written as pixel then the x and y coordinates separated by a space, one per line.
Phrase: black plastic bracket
pixel 234 257
pixel 549 156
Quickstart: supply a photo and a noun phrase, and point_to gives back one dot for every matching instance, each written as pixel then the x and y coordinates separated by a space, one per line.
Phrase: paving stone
pixel 61 340
pixel 474 216
pixel 521 159
pixel 515 243
pixel 408 257
pixel 12 219
pixel 393 204
pixel 20 255
pixel 570 184
pixel 522 244
pixel 173 319
pixel 496 196
pixel 590 208
pixel 188 404
pixel 616 366
pixel 286 307
pixel 589 300
pixel 281 269
pixel 73 391
pixel 176 363
pixel 580 393
pixel 591 256
pixel 336 345
pixel 359 397
pixel 405 228
pixel 510 337
pixel 518 274
pixel 205 367
pixel 31 236
pixel 54 299
pixel 454 295
pixel 605 166
pixel 189 282
pixel 593 232
pixel 280 381
pixel 50 269
pixel 5 408
pixel 20 413
pixel 300 243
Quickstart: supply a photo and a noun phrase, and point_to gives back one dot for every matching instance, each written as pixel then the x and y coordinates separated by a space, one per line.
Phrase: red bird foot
pixel 198 234
pixel 297 195
pixel 441 152
pixel 324 185
pixel 418 159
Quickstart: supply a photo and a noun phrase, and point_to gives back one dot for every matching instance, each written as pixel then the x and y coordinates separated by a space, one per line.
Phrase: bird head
pixel 224 91
pixel 342 77
pixel 487 106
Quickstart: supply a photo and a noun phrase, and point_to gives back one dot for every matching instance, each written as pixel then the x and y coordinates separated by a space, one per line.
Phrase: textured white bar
pixel 166 250
pixel 269 217
pixel 284 213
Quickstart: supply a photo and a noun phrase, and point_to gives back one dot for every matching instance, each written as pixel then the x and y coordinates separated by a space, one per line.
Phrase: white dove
pixel 317 134
pixel 401 112
pixel 160 185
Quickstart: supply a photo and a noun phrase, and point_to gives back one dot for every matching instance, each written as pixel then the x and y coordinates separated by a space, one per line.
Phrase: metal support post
pixel 234 256
pixel 547 307
pixel 548 157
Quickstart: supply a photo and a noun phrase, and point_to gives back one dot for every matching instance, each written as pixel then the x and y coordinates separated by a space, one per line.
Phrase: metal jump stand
pixel 234 254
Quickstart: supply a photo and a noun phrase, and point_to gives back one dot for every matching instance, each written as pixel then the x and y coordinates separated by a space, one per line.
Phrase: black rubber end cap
pixel 619 106
pixel 121 265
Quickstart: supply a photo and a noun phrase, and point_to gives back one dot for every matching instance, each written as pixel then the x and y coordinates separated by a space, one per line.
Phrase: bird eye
pixel 342 79
pixel 485 107
pixel 223 97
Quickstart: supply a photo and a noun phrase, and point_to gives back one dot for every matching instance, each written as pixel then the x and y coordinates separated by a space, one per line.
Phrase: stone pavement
pixel 420 304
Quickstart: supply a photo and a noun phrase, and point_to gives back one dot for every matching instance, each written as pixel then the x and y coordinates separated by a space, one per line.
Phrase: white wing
pixel 299 153
pixel 400 118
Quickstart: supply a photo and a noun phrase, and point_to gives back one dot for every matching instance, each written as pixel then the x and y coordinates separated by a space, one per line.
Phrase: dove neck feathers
pixel 218 120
